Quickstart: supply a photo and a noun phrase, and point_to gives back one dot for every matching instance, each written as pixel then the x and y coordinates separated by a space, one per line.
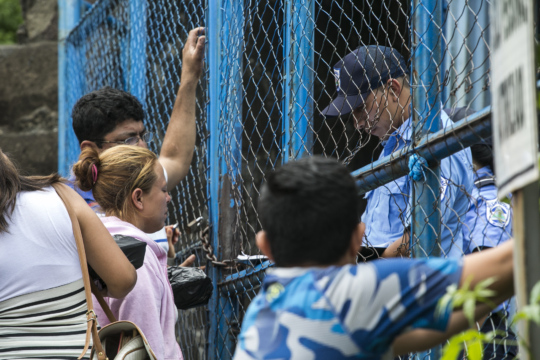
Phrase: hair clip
pixel 94 174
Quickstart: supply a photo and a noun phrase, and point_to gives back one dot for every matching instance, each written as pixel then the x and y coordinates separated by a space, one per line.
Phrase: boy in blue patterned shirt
pixel 318 304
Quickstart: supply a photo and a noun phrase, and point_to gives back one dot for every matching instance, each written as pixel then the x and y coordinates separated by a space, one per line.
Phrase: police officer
pixel 489 223
pixel 373 88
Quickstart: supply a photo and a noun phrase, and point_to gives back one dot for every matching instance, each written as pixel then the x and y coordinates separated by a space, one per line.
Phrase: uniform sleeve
pixel 495 223
pixel 378 301
pixel 476 225
pixel 456 186
pixel 387 212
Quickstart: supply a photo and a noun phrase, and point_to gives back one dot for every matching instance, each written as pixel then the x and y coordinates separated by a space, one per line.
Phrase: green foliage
pixel 531 312
pixel 472 339
pixel 466 299
pixel 10 19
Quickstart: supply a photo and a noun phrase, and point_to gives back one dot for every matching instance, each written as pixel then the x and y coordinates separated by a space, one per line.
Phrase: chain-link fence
pixel 136 46
pixel 270 75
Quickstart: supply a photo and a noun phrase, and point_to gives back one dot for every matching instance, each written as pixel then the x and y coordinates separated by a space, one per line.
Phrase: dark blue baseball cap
pixel 361 72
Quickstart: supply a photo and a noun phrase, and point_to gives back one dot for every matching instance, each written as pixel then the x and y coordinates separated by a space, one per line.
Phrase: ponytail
pixel 86 170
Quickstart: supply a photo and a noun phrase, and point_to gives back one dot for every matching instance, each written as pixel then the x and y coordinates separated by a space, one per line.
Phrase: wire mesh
pixel 112 39
pixel 275 74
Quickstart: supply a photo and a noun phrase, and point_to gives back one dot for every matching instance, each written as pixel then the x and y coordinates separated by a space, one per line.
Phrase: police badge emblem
pixel 497 213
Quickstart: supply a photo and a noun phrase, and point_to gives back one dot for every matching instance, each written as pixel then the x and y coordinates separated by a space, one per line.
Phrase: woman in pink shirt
pixel 129 185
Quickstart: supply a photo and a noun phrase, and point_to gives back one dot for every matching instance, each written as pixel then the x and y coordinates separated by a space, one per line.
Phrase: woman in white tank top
pixel 42 302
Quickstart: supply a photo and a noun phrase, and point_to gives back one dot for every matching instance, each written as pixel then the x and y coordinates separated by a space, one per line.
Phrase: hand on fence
pixel 172 238
pixel 399 248
pixel 193 54
pixel 189 261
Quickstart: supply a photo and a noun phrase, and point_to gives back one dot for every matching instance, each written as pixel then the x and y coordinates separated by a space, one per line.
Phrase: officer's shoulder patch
pixel 497 213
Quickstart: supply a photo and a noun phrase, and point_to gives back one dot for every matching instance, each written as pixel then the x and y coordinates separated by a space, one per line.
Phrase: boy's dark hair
pixel 98 113
pixel 308 209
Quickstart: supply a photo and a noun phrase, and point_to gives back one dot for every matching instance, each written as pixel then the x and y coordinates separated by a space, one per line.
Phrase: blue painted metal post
pixel 76 63
pixel 231 100
pixel 477 39
pixel 232 91
pixel 136 84
pixel 298 79
pixel 456 57
pixel 426 51
pixel 426 118
pixel 69 13
pixel 469 19
pixel 214 21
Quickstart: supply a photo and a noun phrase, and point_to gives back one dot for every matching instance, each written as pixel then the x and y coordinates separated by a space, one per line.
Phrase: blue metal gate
pixel 268 76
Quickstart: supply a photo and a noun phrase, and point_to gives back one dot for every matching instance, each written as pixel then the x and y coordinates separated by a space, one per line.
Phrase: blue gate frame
pixel 224 110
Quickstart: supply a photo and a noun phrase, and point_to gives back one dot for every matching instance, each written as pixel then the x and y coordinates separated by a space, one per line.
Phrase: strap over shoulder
pixel 91 317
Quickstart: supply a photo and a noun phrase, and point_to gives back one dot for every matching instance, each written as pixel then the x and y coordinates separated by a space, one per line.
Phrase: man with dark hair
pixel 107 117
pixel 317 303
pixel 97 114
pixel 373 88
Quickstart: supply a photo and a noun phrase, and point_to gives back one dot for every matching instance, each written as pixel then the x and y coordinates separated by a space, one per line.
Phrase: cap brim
pixel 343 105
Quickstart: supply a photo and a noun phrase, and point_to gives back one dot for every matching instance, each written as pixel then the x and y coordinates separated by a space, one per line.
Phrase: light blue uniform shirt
pixel 489 221
pixel 388 209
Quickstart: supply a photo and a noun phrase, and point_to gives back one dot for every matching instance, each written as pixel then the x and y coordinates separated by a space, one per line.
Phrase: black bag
pixel 133 249
pixel 191 287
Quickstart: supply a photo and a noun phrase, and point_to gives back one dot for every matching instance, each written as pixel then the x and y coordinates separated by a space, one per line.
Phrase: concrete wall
pixel 29 90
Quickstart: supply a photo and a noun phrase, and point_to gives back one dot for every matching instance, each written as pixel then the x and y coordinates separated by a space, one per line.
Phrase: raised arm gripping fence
pixel 269 74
